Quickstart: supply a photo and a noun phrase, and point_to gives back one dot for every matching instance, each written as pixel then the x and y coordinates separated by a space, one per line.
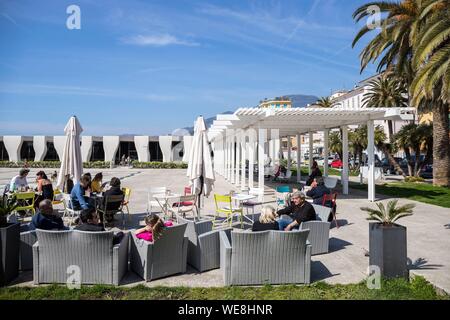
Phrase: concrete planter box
pixel 388 249
pixel 9 252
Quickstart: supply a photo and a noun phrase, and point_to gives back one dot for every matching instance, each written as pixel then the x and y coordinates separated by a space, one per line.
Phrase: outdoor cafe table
pixel 163 200
pixel 241 198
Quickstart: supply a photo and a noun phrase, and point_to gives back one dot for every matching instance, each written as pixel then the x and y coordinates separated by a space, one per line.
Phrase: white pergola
pixel 253 134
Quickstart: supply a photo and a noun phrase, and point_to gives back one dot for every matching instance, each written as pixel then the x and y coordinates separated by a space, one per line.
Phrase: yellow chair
pixel 224 205
pixel 126 201
pixel 57 195
pixel 25 201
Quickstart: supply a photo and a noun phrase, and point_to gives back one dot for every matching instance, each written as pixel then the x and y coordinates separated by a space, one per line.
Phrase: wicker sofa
pixel 27 239
pixel 161 258
pixel 267 257
pixel 319 230
pixel 100 261
pixel 204 246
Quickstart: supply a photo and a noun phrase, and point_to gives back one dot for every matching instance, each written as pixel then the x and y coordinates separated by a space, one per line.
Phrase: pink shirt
pixel 148 236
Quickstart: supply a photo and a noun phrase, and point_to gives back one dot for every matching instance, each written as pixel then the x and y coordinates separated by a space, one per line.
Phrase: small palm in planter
pixel 9 243
pixel 387 240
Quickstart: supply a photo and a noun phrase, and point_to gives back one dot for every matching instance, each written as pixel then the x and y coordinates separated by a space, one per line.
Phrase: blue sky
pixel 149 67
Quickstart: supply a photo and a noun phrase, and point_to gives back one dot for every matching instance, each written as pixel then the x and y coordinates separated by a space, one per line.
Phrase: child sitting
pixel 153 229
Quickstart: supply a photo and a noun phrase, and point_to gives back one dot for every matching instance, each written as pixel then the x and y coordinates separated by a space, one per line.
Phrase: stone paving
pixel 347 262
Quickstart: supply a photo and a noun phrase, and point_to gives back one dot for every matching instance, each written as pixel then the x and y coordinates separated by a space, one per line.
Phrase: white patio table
pixel 241 198
pixel 163 200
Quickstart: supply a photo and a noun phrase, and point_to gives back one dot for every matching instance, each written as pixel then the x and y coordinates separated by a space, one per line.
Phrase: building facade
pixel 97 148
pixel 277 103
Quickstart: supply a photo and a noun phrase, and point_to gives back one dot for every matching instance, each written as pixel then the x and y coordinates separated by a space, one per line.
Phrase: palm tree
pixel 325 102
pixel 391 213
pixel 432 82
pixel 414 43
pixel 386 91
pixel 392 46
pixel 413 138
pixel 335 143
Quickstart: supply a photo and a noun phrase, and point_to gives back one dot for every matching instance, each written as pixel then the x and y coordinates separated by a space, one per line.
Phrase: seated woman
pixel 96 184
pixel 90 221
pixel 267 220
pixel 154 227
pixel 44 187
pixel 315 172
pixel 317 191
pixel 47 218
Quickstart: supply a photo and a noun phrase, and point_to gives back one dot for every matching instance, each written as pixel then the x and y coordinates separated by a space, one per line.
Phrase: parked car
pixel 321 161
pixel 388 168
pixel 336 164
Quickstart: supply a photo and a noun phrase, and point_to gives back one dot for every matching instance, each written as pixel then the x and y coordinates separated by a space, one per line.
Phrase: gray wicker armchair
pixel 100 261
pixel 204 246
pixel 267 257
pixel 319 230
pixel 161 258
pixel 27 239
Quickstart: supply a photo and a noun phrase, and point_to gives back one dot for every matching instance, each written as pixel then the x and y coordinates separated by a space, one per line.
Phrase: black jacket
pixel 259 226
pixel 301 213
pixel 113 191
pixel 317 194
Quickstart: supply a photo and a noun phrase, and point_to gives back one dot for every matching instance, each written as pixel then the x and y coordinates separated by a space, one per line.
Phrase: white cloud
pixel 157 40
pixel 50 89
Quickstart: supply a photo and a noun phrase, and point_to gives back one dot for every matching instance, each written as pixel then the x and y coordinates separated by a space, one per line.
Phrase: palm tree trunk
pixel 441 147
pixel 391 130
pixel 391 159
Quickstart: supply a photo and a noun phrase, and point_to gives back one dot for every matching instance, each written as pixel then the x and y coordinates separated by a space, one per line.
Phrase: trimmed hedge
pixel 159 165
pixel 94 165
pixel 52 164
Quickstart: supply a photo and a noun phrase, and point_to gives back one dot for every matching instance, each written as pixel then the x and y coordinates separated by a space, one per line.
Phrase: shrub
pixel 159 165
pixel 94 164
pixel 414 179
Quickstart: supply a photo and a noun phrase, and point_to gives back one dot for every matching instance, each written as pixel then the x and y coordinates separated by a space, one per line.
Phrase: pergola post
pixel 233 157
pixel 326 134
pixel 371 160
pixel 299 158
pixel 227 156
pixel 344 160
pixel 237 176
pixel 251 156
pixel 262 135
pixel 243 158
pixel 289 147
pixel 275 135
pixel 311 151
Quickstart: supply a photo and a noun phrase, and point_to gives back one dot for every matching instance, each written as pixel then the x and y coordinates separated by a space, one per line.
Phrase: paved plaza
pixel 347 261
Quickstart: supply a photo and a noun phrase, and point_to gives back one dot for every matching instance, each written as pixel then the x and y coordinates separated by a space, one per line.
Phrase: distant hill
pixel 300 100
pixel 208 122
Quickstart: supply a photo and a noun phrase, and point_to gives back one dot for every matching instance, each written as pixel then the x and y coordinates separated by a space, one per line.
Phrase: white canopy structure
pixel 71 162
pixel 236 137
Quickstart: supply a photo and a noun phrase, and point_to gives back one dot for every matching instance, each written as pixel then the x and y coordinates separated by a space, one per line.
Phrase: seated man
pixel 79 202
pixel 20 181
pixel 47 218
pixel 299 211
pixel 90 221
pixel 317 191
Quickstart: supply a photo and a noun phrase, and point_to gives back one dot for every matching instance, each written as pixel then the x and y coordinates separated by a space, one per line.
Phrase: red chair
pixel 187 192
pixel 331 198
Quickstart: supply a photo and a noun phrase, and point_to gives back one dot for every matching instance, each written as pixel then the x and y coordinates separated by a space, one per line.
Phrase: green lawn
pixel 417 288
pixel 331 172
pixel 422 192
